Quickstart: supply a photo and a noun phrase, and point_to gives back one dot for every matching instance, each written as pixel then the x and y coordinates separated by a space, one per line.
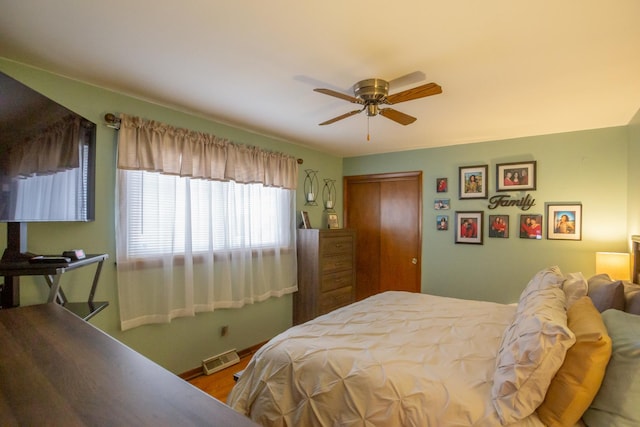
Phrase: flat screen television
pixel 47 158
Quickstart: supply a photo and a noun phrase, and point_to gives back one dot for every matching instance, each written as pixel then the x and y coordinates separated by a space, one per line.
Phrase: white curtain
pixel 185 244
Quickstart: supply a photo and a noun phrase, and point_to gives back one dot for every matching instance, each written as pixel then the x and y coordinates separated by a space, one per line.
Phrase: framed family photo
pixel 531 226
pixel 473 182
pixel 442 222
pixel 499 226
pixel 442 185
pixel 516 176
pixel 564 221
pixel 469 225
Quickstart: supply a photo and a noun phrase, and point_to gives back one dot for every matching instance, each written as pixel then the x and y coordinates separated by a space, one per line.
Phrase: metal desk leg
pixel 54 288
pixel 96 277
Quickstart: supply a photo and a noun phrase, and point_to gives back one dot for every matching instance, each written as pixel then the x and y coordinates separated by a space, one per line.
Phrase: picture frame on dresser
pixel 332 221
pixel 306 224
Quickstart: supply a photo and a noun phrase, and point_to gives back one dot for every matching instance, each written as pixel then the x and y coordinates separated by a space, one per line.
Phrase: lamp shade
pixel 615 264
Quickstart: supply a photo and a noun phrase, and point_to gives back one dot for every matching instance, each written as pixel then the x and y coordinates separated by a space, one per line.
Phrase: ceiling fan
pixel 372 93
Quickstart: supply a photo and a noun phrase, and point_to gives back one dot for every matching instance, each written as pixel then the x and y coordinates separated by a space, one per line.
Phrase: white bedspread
pixel 394 359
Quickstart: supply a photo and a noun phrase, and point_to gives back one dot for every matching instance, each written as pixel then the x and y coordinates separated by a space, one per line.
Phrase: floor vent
pixel 221 361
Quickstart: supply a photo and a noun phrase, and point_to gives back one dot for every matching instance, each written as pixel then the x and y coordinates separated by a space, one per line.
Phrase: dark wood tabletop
pixel 56 369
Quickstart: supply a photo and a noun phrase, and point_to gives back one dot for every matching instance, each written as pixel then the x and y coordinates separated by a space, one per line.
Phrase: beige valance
pixel 157 147
pixel 53 149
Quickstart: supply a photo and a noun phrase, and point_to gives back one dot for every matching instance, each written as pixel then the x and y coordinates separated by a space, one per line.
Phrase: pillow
pixel 575 385
pixel 606 293
pixel 631 298
pixel 616 404
pixel 574 287
pixel 543 279
pixel 533 348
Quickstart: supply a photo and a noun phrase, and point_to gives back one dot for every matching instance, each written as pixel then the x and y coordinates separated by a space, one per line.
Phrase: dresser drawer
pixel 332 281
pixel 336 263
pixel 337 245
pixel 331 300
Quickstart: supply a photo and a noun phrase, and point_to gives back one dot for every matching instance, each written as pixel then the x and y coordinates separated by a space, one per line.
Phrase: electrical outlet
pixel 224 331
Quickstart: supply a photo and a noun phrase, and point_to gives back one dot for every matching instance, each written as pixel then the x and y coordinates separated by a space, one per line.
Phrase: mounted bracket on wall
pixel 311 187
pixel 329 195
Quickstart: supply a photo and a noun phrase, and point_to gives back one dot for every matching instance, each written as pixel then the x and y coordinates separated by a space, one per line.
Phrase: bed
pixel 406 359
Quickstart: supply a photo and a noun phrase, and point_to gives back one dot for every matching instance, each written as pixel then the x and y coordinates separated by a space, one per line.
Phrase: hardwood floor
pixel 219 384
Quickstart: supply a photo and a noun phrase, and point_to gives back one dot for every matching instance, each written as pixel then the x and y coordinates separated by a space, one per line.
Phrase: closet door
pixel 386 211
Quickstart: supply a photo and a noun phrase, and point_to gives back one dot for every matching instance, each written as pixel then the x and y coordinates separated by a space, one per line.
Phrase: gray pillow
pixel 606 293
pixel 616 403
pixel 632 298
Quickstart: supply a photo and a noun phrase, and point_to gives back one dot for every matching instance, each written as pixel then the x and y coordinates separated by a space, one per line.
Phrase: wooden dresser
pixel 326 272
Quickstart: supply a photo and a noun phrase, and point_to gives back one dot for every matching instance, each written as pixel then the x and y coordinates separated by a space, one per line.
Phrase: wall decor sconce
pixel 329 194
pixel 311 187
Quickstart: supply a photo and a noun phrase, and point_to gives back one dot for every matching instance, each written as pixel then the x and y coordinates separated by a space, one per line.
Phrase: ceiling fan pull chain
pixel 368 136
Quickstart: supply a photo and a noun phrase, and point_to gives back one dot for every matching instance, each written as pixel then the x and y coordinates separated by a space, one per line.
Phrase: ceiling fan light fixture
pixel 371 90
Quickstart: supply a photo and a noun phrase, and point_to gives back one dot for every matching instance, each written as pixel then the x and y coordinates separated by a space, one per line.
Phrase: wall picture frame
pixel 499 226
pixel 530 226
pixel 516 176
pixel 473 182
pixel 441 204
pixel 442 185
pixel 469 226
pixel 442 222
pixel 564 221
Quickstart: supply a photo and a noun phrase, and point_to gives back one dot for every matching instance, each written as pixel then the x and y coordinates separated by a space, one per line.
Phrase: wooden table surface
pixel 56 369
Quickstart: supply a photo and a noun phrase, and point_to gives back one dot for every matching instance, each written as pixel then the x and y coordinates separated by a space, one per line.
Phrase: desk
pixel 53 273
pixel 57 369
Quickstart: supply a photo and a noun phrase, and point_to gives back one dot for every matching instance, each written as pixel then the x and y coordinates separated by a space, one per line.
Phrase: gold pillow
pixel 577 382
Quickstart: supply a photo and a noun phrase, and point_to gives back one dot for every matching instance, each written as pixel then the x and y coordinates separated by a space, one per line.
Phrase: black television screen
pixel 47 158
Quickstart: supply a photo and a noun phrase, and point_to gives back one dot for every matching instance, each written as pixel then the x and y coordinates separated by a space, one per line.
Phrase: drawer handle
pixel 338 245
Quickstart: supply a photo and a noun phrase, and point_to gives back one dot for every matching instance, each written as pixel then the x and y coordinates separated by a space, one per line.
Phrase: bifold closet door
pixel 386 211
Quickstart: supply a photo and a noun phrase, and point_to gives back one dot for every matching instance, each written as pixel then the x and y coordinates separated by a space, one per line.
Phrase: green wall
pixel 589 167
pixel 182 344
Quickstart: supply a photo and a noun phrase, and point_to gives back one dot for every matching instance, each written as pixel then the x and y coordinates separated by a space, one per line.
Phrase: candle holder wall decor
pixel 329 195
pixel 311 187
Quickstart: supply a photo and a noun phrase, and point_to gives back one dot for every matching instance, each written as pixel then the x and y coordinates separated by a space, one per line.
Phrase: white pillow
pixel 543 279
pixel 533 348
pixel 574 287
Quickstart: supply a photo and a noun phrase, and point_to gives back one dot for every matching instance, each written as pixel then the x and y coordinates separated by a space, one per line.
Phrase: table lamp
pixel 615 264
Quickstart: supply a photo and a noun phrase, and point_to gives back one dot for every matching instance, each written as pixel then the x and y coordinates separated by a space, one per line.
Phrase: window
pixel 224 215
pixel 202 223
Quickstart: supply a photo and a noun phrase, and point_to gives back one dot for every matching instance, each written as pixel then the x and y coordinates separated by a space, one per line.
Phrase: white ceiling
pixel 507 68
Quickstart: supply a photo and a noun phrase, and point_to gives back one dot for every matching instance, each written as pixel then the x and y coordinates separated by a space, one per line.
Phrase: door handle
pixel 414 261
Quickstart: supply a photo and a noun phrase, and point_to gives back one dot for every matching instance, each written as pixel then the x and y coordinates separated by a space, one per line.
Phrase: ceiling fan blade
pixel 339 95
pixel 344 116
pixel 397 116
pixel 408 79
pixel 414 93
